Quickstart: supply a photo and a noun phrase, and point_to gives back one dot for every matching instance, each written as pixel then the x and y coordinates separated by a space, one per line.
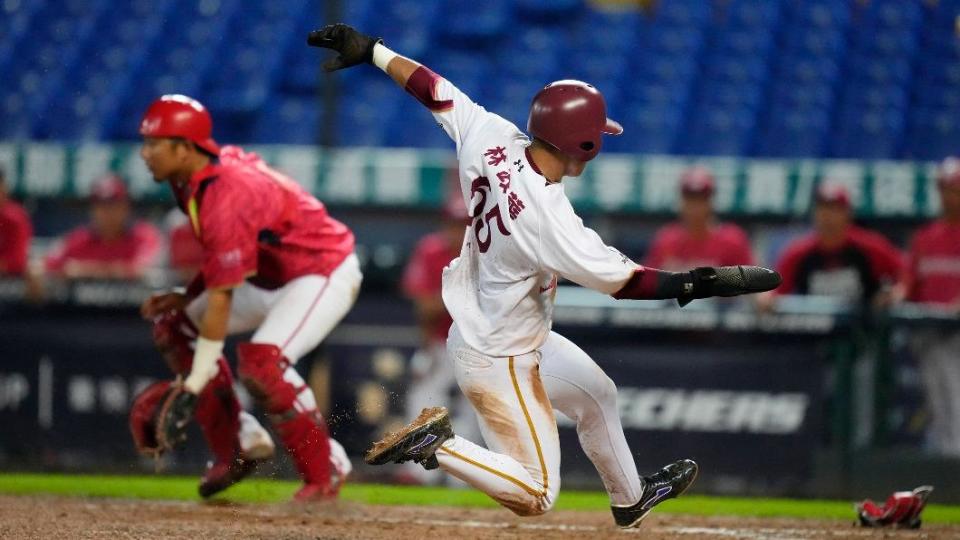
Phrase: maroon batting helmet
pixel 570 116
pixel 175 115
pixel 143 417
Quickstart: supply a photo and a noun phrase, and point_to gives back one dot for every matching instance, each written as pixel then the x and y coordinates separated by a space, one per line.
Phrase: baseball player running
pixel 275 263
pixel 499 291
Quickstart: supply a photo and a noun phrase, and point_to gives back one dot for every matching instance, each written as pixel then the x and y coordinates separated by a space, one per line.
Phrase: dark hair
pixel 3 175
pixel 196 147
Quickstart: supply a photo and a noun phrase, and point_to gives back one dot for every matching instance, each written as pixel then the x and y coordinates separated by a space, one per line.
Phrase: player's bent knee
pixel 260 367
pixel 604 390
pixel 529 505
pixel 173 334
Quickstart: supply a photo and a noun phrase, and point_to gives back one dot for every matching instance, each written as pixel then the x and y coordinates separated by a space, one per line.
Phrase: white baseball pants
pixel 938 356
pixel 296 318
pixel 514 398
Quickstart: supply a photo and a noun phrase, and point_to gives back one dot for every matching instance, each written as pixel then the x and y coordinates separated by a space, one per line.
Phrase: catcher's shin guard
pixel 302 429
pixel 218 414
pixel 173 335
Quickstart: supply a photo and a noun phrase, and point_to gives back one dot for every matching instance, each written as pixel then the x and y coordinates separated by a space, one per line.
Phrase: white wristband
pixel 382 56
pixel 205 357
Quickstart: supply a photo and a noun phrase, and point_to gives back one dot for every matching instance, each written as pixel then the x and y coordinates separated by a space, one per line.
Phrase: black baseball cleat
pixel 668 483
pixel 418 441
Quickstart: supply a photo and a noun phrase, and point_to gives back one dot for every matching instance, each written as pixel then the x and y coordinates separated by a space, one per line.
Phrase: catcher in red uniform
pixel 275 263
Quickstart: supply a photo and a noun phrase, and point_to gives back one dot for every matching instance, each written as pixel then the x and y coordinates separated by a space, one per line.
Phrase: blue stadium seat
pixel 787 78
pixel 472 24
pixel 647 129
pixel 547 10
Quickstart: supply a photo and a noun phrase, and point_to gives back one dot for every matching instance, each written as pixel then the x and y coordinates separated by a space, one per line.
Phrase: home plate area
pixel 55 517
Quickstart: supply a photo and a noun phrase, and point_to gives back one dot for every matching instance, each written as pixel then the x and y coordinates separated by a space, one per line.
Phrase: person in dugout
pixel 697 238
pixel 114 245
pixel 838 259
pixel 933 278
pixel 15 233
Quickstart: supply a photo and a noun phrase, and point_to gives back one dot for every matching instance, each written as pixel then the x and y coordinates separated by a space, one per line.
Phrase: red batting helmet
pixel 143 417
pixel 175 115
pixel 948 173
pixel 570 116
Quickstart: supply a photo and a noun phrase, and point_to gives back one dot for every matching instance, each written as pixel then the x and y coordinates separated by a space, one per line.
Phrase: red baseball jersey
pixel 856 269
pixel 15 234
pixel 424 274
pixel 933 271
pixel 255 223
pixel 675 249
pixel 132 253
pixel 186 253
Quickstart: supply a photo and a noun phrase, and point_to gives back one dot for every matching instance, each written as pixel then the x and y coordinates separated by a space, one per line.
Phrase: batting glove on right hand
pixel 354 47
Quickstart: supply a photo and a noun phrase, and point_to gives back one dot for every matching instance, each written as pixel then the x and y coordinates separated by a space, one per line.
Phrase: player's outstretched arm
pixel 705 282
pixel 355 47
pixel 454 111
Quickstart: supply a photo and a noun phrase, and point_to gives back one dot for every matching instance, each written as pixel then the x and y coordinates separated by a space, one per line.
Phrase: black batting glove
pixel 353 47
pixel 706 282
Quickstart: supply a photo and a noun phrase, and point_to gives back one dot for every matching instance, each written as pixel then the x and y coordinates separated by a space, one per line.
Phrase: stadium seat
pixel 850 79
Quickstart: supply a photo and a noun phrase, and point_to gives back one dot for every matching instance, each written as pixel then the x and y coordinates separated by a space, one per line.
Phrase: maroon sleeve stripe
pixel 422 84
pixel 642 285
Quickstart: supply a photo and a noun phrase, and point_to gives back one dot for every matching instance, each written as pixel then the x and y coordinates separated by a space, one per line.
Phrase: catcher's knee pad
pixel 173 334
pixel 261 367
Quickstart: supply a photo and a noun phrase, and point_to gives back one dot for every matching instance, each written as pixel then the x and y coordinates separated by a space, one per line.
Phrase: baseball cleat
pixel 317 492
pixel 417 442
pixel 667 483
pixel 221 475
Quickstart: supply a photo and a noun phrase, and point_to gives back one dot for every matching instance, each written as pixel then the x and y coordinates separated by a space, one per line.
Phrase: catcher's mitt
pixel 174 416
pixel 143 417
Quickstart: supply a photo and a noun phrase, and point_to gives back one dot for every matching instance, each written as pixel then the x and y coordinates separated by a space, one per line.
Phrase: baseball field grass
pixel 173 488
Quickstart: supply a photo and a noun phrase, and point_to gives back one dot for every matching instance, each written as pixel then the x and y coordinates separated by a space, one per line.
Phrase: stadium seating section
pixel 871 79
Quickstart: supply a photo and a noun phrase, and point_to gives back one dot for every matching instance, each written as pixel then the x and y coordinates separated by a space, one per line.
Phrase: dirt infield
pixel 53 517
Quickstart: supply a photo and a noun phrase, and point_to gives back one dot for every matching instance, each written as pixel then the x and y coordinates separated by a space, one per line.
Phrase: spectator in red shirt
pixel 933 278
pixel 15 233
pixel 113 245
pixel 432 377
pixel 697 239
pixel 839 258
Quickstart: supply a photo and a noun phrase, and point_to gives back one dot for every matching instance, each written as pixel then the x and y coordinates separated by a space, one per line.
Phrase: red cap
pixel 109 188
pixel 948 173
pixel 176 115
pixel 697 181
pixel 831 193
pixel 571 115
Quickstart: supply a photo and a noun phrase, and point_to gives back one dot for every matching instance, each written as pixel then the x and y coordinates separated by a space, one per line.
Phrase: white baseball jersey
pixel 523 235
